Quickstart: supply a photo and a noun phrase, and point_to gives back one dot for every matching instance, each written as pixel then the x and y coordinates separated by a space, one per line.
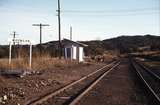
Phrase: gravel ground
pixel 16 91
pixel 118 88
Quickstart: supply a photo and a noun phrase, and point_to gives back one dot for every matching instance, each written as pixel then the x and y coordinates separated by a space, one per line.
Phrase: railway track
pixel 72 93
pixel 152 72
pixel 150 80
pixel 82 94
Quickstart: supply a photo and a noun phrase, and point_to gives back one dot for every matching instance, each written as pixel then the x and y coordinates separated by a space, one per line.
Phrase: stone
pixel 43 83
pixel 5 97
pixel 1 99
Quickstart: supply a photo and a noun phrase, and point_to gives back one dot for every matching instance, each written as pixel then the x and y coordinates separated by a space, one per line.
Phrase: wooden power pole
pixel 40 26
pixel 14 49
pixel 71 33
pixel 14 36
pixel 59 29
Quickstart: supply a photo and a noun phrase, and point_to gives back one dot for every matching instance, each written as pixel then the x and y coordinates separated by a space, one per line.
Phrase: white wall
pixel 81 54
pixel 65 51
pixel 74 52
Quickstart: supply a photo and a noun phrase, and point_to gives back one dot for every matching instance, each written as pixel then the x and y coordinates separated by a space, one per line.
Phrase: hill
pixel 123 44
pixel 126 44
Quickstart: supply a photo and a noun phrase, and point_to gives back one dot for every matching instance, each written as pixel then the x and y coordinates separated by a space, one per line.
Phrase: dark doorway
pixel 68 52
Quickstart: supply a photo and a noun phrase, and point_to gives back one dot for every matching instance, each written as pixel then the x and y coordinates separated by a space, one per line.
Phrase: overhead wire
pixel 110 11
pixel 120 12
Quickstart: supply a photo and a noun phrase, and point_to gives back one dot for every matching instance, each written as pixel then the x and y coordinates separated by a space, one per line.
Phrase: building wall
pixel 68 54
pixel 81 54
pixel 76 53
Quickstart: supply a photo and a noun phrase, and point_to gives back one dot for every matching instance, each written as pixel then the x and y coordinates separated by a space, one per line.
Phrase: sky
pixel 90 19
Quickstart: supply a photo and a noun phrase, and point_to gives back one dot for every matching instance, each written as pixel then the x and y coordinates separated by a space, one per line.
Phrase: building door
pixel 68 52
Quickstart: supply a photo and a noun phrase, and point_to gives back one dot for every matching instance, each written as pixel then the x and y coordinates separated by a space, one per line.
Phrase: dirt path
pixel 118 88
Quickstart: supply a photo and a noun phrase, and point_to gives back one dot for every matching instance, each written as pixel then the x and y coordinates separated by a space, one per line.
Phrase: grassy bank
pixel 38 63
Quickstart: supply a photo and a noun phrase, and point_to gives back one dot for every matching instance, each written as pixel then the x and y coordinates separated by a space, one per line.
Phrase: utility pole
pixel 14 36
pixel 14 50
pixel 71 33
pixel 59 29
pixel 40 26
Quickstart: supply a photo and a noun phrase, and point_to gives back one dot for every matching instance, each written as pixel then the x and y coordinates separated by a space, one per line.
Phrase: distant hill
pixel 124 44
pixel 132 43
pixel 4 51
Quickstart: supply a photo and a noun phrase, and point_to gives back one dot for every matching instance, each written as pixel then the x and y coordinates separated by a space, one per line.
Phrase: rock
pixel 21 76
pixel 49 80
pixel 3 102
pixel 5 97
pixel 12 95
pixel 1 99
pixel 43 83
pixel 37 86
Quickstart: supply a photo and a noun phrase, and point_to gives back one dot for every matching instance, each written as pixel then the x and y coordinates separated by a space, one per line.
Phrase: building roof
pixel 67 41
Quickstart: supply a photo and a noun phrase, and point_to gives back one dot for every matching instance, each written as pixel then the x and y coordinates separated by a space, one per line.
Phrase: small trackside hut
pixel 73 50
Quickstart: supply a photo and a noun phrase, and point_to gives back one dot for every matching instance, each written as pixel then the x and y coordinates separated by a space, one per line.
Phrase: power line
pixel 120 12
pixel 115 14
pixel 111 11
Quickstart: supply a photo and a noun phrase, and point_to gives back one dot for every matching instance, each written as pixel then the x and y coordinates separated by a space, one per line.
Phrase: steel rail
pixel 152 73
pixel 145 82
pixel 44 98
pixel 79 97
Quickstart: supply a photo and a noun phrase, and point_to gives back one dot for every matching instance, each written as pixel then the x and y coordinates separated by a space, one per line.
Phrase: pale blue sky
pixel 91 19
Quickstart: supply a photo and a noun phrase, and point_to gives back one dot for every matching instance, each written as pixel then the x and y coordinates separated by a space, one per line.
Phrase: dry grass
pixel 147 53
pixel 110 55
pixel 38 63
pixel 153 63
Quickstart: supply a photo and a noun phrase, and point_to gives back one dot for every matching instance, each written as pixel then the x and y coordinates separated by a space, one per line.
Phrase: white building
pixel 74 50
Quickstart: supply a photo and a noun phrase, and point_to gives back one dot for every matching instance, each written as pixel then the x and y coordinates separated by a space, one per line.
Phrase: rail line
pixel 150 80
pixel 90 87
pixel 150 71
pixel 44 98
